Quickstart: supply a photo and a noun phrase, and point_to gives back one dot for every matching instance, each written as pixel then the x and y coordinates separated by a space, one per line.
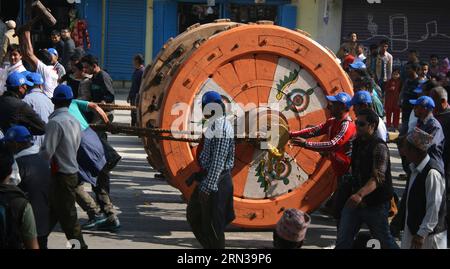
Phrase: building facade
pixel 119 29
pixel 423 26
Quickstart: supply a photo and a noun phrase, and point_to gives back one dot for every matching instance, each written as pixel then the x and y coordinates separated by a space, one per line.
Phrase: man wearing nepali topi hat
pixel 424 218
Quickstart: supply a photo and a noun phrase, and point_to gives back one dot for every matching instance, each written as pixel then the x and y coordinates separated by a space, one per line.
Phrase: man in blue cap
pixel 210 208
pixel 423 106
pixel 423 110
pixel 423 89
pixel 340 130
pixel 37 99
pixel 61 143
pixel 35 177
pixel 14 111
pixel 363 100
pixel 41 62
pixel 60 70
pixel 363 81
pixel 357 64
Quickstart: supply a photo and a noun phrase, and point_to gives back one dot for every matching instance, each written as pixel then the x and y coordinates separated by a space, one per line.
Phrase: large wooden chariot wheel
pixel 280 73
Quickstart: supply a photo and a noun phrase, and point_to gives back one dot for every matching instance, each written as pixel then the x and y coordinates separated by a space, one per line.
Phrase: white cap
pixel 11 24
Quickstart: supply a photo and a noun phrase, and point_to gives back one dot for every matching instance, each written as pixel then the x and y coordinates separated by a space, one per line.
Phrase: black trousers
pixel 62 206
pixel 134 102
pixel 209 219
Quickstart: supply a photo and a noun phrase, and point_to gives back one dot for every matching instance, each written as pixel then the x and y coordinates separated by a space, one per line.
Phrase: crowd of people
pixel 360 157
pixel 48 151
pixel 416 91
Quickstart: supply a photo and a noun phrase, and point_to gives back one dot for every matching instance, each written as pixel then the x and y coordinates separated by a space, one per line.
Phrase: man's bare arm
pixel 27 48
pixel 94 107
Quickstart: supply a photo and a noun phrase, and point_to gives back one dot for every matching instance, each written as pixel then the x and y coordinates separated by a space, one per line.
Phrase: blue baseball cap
pixel 341 97
pixel 358 65
pixel 26 73
pixel 18 133
pixel 211 97
pixel 63 93
pixel 424 101
pixel 35 78
pixel 16 79
pixel 362 97
pixel 418 89
pixel 52 51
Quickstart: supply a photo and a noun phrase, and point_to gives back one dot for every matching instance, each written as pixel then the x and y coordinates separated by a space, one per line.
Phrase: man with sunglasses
pixel 340 130
pixel 371 186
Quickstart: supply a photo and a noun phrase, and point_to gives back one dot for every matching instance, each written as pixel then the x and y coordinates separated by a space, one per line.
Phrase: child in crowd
pixel 392 95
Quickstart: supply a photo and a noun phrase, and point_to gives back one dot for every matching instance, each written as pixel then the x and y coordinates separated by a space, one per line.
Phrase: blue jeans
pixel 376 218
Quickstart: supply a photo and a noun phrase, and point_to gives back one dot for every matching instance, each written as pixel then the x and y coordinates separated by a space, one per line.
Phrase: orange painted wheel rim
pixel 260 64
pixel 158 76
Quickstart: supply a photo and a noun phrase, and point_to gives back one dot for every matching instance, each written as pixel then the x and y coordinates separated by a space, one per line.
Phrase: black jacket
pixel 417 201
pixel 14 201
pixel 444 120
pixel 14 111
pixel 362 170
pixel 35 174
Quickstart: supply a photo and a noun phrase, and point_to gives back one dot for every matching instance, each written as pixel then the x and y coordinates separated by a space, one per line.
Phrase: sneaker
pixel 110 225
pixel 94 222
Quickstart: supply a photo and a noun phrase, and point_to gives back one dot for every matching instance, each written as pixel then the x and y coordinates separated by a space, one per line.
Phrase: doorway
pixel 192 13
pixel 251 13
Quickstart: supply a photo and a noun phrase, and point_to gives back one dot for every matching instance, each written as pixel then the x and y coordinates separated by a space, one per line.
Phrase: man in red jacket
pixel 340 131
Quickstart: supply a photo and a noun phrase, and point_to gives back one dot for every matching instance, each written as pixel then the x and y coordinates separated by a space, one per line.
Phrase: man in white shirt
pixel 362 100
pixel 59 68
pixel 15 59
pixel 360 53
pixel 42 65
pixel 60 146
pixel 424 218
pixel 384 64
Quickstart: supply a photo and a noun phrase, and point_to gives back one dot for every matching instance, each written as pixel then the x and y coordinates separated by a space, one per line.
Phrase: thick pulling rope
pixel 115 107
pixel 156 133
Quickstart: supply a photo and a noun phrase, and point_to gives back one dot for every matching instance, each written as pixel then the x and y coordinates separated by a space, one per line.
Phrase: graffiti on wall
pixel 399 32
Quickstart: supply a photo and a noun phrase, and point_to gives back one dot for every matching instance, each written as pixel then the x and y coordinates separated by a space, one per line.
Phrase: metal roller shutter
pixel 420 25
pixel 125 36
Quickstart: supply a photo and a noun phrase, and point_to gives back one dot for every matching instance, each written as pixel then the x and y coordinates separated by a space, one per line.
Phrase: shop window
pixel 252 13
pixel 191 13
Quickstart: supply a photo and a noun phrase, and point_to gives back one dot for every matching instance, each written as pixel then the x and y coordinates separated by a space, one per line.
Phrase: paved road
pixel 152 213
